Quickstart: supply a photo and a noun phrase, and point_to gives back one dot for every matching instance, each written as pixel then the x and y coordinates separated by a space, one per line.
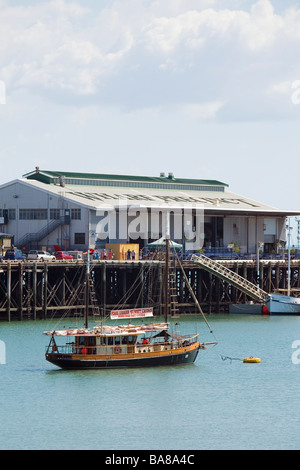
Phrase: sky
pixel 206 89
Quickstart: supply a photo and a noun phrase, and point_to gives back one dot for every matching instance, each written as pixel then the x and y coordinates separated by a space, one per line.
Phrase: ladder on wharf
pixel 174 310
pixel 231 277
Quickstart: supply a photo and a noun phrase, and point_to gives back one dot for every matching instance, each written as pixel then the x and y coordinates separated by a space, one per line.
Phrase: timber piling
pixel 40 290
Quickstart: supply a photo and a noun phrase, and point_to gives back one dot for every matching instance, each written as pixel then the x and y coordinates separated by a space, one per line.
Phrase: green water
pixel 211 404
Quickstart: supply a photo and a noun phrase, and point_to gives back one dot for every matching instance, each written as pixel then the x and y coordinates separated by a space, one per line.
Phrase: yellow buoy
pixel 251 360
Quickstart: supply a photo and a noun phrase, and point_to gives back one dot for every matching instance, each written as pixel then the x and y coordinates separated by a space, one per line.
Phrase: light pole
pixel 289 256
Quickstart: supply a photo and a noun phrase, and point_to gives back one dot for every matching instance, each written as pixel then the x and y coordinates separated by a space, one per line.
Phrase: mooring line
pixel 224 358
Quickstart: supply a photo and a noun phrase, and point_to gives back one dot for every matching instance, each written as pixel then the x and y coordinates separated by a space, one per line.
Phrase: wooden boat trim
pixel 167 352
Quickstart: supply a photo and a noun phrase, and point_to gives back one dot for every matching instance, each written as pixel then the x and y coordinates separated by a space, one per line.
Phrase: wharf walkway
pixel 32 290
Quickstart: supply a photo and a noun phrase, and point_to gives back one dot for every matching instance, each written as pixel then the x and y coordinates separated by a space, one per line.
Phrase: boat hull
pixel 165 358
pixel 283 305
pixel 275 305
pixel 249 309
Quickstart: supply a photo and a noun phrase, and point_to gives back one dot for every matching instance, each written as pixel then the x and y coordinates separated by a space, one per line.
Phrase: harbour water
pixel 215 403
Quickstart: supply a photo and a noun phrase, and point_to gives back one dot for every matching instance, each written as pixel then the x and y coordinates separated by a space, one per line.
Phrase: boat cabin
pixel 106 344
pixel 108 341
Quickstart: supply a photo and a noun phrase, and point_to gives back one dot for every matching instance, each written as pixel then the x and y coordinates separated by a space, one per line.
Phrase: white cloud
pixel 282 88
pixel 262 26
pixel 46 46
pixel 255 30
pixel 202 111
pixel 137 54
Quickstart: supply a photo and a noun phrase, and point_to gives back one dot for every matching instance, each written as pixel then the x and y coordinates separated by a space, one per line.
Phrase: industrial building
pixel 80 210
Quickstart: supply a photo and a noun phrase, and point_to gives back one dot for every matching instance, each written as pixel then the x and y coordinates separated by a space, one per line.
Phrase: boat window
pixel 117 340
pixel 110 340
pixel 103 340
pixel 131 339
pixel 124 340
pixel 81 340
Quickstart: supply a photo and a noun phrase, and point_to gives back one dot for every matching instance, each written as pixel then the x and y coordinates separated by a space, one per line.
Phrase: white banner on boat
pixel 131 313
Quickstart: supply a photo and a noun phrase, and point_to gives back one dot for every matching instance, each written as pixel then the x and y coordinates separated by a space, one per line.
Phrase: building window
pixel 54 214
pixel 79 238
pixel 76 214
pixel 8 214
pixel 11 214
pixel 33 214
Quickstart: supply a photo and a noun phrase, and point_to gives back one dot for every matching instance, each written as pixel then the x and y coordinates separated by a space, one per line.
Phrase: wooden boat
pixel 123 346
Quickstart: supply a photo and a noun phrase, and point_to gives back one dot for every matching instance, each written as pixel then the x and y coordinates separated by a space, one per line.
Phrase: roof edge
pixel 48 175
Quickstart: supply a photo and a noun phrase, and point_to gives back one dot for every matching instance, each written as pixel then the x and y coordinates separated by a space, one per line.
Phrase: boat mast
pixel 87 289
pixel 167 268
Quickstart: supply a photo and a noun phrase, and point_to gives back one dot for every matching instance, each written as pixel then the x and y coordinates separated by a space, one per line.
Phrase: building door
pixel 213 230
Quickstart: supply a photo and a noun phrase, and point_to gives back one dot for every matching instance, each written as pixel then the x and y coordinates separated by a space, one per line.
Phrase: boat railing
pixel 65 349
pixel 151 345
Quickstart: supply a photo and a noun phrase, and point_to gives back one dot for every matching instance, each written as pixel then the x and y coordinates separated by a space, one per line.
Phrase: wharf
pixel 41 290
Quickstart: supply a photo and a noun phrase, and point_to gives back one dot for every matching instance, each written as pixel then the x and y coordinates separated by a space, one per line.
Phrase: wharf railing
pixel 217 254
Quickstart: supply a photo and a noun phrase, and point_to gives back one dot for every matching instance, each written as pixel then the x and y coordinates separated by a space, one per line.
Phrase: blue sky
pixel 205 89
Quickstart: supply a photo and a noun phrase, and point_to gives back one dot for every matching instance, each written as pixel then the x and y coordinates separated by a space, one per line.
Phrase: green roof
pixel 48 176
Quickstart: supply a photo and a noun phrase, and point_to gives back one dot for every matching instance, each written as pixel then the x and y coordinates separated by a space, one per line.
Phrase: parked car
pixel 40 255
pixel 14 253
pixel 64 255
pixel 78 255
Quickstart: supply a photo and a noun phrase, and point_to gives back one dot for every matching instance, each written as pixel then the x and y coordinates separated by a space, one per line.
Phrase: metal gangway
pixel 231 277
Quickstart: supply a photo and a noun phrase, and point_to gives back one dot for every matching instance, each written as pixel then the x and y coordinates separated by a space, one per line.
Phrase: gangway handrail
pixel 231 277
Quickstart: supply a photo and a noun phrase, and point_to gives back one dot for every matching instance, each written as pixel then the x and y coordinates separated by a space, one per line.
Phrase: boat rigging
pixel 125 346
